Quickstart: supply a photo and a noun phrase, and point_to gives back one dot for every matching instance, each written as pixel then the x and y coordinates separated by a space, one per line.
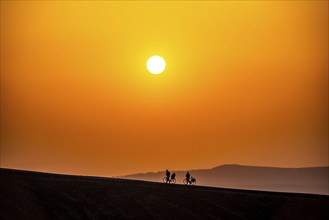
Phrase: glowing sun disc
pixel 156 64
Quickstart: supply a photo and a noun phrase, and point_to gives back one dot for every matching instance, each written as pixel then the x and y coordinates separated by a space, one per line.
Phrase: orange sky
pixel 246 83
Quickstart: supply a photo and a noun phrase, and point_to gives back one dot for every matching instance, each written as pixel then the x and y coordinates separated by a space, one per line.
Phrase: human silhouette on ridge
pixel 188 177
pixel 168 176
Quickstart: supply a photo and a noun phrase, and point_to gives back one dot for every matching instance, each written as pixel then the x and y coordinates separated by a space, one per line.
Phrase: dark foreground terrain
pixel 32 195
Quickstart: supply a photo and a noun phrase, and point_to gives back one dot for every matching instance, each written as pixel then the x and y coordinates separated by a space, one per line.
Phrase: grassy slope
pixel 31 195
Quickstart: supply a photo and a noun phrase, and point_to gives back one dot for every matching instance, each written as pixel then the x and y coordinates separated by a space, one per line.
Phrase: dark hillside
pixel 32 195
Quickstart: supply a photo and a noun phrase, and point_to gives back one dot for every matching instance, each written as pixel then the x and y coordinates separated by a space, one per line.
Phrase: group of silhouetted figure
pixel 172 178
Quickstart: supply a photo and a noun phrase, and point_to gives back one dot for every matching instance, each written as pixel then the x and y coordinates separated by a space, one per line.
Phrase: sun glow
pixel 156 64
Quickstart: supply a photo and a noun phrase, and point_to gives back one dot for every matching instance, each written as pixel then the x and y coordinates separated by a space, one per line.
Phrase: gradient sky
pixel 246 83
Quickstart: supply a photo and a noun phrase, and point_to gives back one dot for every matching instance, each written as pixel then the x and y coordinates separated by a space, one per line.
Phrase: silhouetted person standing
pixel 168 176
pixel 188 178
pixel 173 176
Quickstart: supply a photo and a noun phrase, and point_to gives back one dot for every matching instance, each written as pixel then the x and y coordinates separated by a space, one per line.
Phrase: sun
pixel 156 64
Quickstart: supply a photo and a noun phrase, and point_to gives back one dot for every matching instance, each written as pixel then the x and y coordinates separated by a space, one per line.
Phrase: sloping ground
pixel 314 180
pixel 32 195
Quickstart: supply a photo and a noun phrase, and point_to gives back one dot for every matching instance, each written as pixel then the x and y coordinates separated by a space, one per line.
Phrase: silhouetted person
pixel 188 177
pixel 173 176
pixel 168 176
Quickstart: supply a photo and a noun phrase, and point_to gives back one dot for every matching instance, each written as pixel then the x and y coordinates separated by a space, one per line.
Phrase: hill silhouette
pixel 313 180
pixel 33 195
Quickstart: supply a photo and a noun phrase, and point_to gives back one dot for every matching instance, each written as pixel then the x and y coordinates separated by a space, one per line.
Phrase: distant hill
pixel 31 195
pixel 303 180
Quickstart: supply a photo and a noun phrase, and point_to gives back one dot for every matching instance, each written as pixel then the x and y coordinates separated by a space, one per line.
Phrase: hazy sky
pixel 246 83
